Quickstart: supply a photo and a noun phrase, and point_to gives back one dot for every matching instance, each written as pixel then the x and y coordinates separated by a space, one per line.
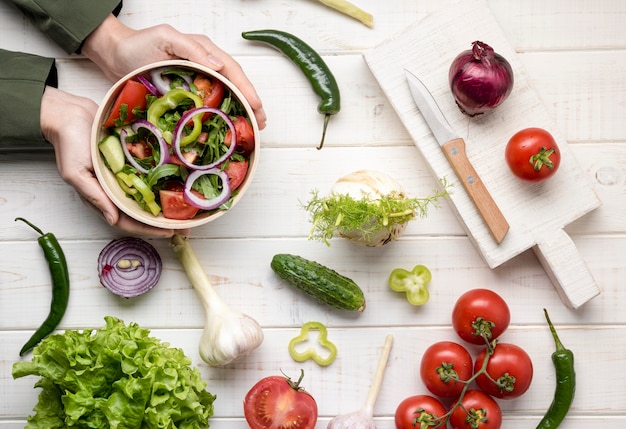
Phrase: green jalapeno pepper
pixel 311 64
pixel 414 283
pixel 60 286
pixel 563 360
pixel 312 352
pixel 169 101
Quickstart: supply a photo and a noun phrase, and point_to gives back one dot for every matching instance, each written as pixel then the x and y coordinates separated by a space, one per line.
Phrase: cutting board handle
pixel 566 269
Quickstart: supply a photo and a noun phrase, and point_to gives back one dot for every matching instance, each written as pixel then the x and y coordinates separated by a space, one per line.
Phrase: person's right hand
pixel 70 133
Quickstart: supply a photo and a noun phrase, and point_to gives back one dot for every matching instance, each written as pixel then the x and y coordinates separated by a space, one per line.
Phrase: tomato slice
pixel 277 402
pixel 236 171
pixel 133 95
pixel 245 135
pixel 174 205
pixel 210 90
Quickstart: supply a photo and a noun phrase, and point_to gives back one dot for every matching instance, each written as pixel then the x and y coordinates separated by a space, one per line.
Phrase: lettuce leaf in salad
pixel 115 377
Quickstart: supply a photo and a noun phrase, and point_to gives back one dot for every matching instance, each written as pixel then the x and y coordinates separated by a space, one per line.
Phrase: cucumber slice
pixel 111 149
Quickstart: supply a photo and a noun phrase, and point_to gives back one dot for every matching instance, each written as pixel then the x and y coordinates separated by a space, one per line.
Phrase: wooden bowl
pixel 108 180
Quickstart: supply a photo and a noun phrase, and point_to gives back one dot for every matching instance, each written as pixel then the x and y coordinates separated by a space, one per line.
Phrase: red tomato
pixel 210 90
pixel 510 366
pixel 419 409
pixel 133 95
pixel 236 171
pixel 139 150
pixel 276 402
pixel 245 135
pixel 174 205
pixel 532 155
pixel 479 411
pixel 443 363
pixel 480 315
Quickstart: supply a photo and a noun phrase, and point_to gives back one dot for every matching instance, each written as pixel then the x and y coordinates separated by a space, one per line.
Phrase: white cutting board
pixel 537 213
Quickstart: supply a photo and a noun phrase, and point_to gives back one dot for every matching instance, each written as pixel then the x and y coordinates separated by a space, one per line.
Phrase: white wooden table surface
pixel 574 53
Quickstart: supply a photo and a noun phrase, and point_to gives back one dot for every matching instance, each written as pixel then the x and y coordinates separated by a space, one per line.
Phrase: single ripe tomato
pixel 532 154
pixel 277 402
pixel 244 133
pixel 510 366
pixel 442 364
pixel 174 205
pixel 480 315
pixel 419 409
pixel 132 96
pixel 478 411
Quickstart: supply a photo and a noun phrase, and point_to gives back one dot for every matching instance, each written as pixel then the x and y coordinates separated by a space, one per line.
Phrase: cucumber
pixel 319 282
pixel 111 148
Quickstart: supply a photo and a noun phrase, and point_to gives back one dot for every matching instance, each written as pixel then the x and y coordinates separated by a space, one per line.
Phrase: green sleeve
pixel 67 22
pixel 23 78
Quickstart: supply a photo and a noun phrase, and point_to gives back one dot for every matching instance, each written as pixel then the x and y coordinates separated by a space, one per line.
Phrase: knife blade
pixel 453 147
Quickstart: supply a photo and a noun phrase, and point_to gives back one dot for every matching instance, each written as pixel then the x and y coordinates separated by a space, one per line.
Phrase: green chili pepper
pixel 311 64
pixel 169 101
pixel 312 352
pixel 414 283
pixel 60 286
pixel 563 360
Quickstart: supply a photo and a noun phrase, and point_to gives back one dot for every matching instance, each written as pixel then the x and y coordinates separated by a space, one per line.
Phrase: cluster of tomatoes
pixel 468 387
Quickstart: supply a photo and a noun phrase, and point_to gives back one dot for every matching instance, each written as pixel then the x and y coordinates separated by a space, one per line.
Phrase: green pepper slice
pixel 169 101
pixel 312 352
pixel 414 283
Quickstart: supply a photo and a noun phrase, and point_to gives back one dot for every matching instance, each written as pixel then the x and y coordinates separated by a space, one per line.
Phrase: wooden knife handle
pixel 454 150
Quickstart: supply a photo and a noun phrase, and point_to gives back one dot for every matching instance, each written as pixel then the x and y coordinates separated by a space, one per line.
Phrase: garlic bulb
pixel 228 334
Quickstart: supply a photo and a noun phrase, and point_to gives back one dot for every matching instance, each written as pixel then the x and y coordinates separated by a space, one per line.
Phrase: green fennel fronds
pixel 339 212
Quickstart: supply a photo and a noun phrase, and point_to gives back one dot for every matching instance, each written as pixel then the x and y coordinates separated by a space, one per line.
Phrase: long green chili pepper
pixel 311 64
pixel 60 286
pixel 563 360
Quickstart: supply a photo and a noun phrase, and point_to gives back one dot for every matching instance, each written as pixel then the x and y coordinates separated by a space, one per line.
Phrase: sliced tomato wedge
pixel 133 95
pixel 236 171
pixel 245 135
pixel 211 91
pixel 174 205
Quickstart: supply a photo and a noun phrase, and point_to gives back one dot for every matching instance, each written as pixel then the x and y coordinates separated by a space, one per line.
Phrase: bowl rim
pixel 106 177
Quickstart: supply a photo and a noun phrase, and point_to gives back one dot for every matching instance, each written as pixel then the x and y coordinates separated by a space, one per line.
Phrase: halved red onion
pixel 163 147
pixel 178 132
pixel 129 267
pixel 145 82
pixel 203 203
pixel 162 82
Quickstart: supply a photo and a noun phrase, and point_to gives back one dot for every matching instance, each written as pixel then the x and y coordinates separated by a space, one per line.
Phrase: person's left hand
pixel 118 49
pixel 69 133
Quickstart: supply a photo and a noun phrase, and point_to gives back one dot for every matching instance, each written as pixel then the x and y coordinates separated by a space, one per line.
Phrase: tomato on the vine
pixel 480 315
pixel 277 402
pixel 420 409
pixel 444 367
pixel 510 367
pixel 532 154
pixel 478 411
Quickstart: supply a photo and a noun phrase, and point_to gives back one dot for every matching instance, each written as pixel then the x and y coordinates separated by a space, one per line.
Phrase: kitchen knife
pixel 453 147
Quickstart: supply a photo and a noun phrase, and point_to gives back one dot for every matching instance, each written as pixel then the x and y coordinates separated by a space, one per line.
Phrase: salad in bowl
pixel 175 144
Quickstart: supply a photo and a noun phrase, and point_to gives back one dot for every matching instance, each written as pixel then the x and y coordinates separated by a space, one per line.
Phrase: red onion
pixel 163 147
pixel 480 79
pixel 178 132
pixel 145 82
pixel 203 203
pixel 129 267
pixel 162 83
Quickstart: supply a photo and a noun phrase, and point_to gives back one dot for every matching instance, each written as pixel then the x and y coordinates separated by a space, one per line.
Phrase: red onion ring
pixel 129 267
pixel 162 83
pixel 178 131
pixel 145 82
pixel 163 147
pixel 203 203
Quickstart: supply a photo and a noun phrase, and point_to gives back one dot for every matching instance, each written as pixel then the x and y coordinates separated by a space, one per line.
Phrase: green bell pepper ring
pixel 312 351
pixel 169 101
pixel 414 283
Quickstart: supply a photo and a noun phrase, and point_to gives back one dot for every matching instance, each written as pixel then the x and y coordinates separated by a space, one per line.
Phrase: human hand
pixel 118 49
pixel 69 134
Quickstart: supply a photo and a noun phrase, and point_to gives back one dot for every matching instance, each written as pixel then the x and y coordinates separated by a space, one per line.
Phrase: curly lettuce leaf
pixel 116 377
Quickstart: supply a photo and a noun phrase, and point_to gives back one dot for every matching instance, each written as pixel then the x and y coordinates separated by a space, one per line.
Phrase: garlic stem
pixel 351 10
pixel 378 375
